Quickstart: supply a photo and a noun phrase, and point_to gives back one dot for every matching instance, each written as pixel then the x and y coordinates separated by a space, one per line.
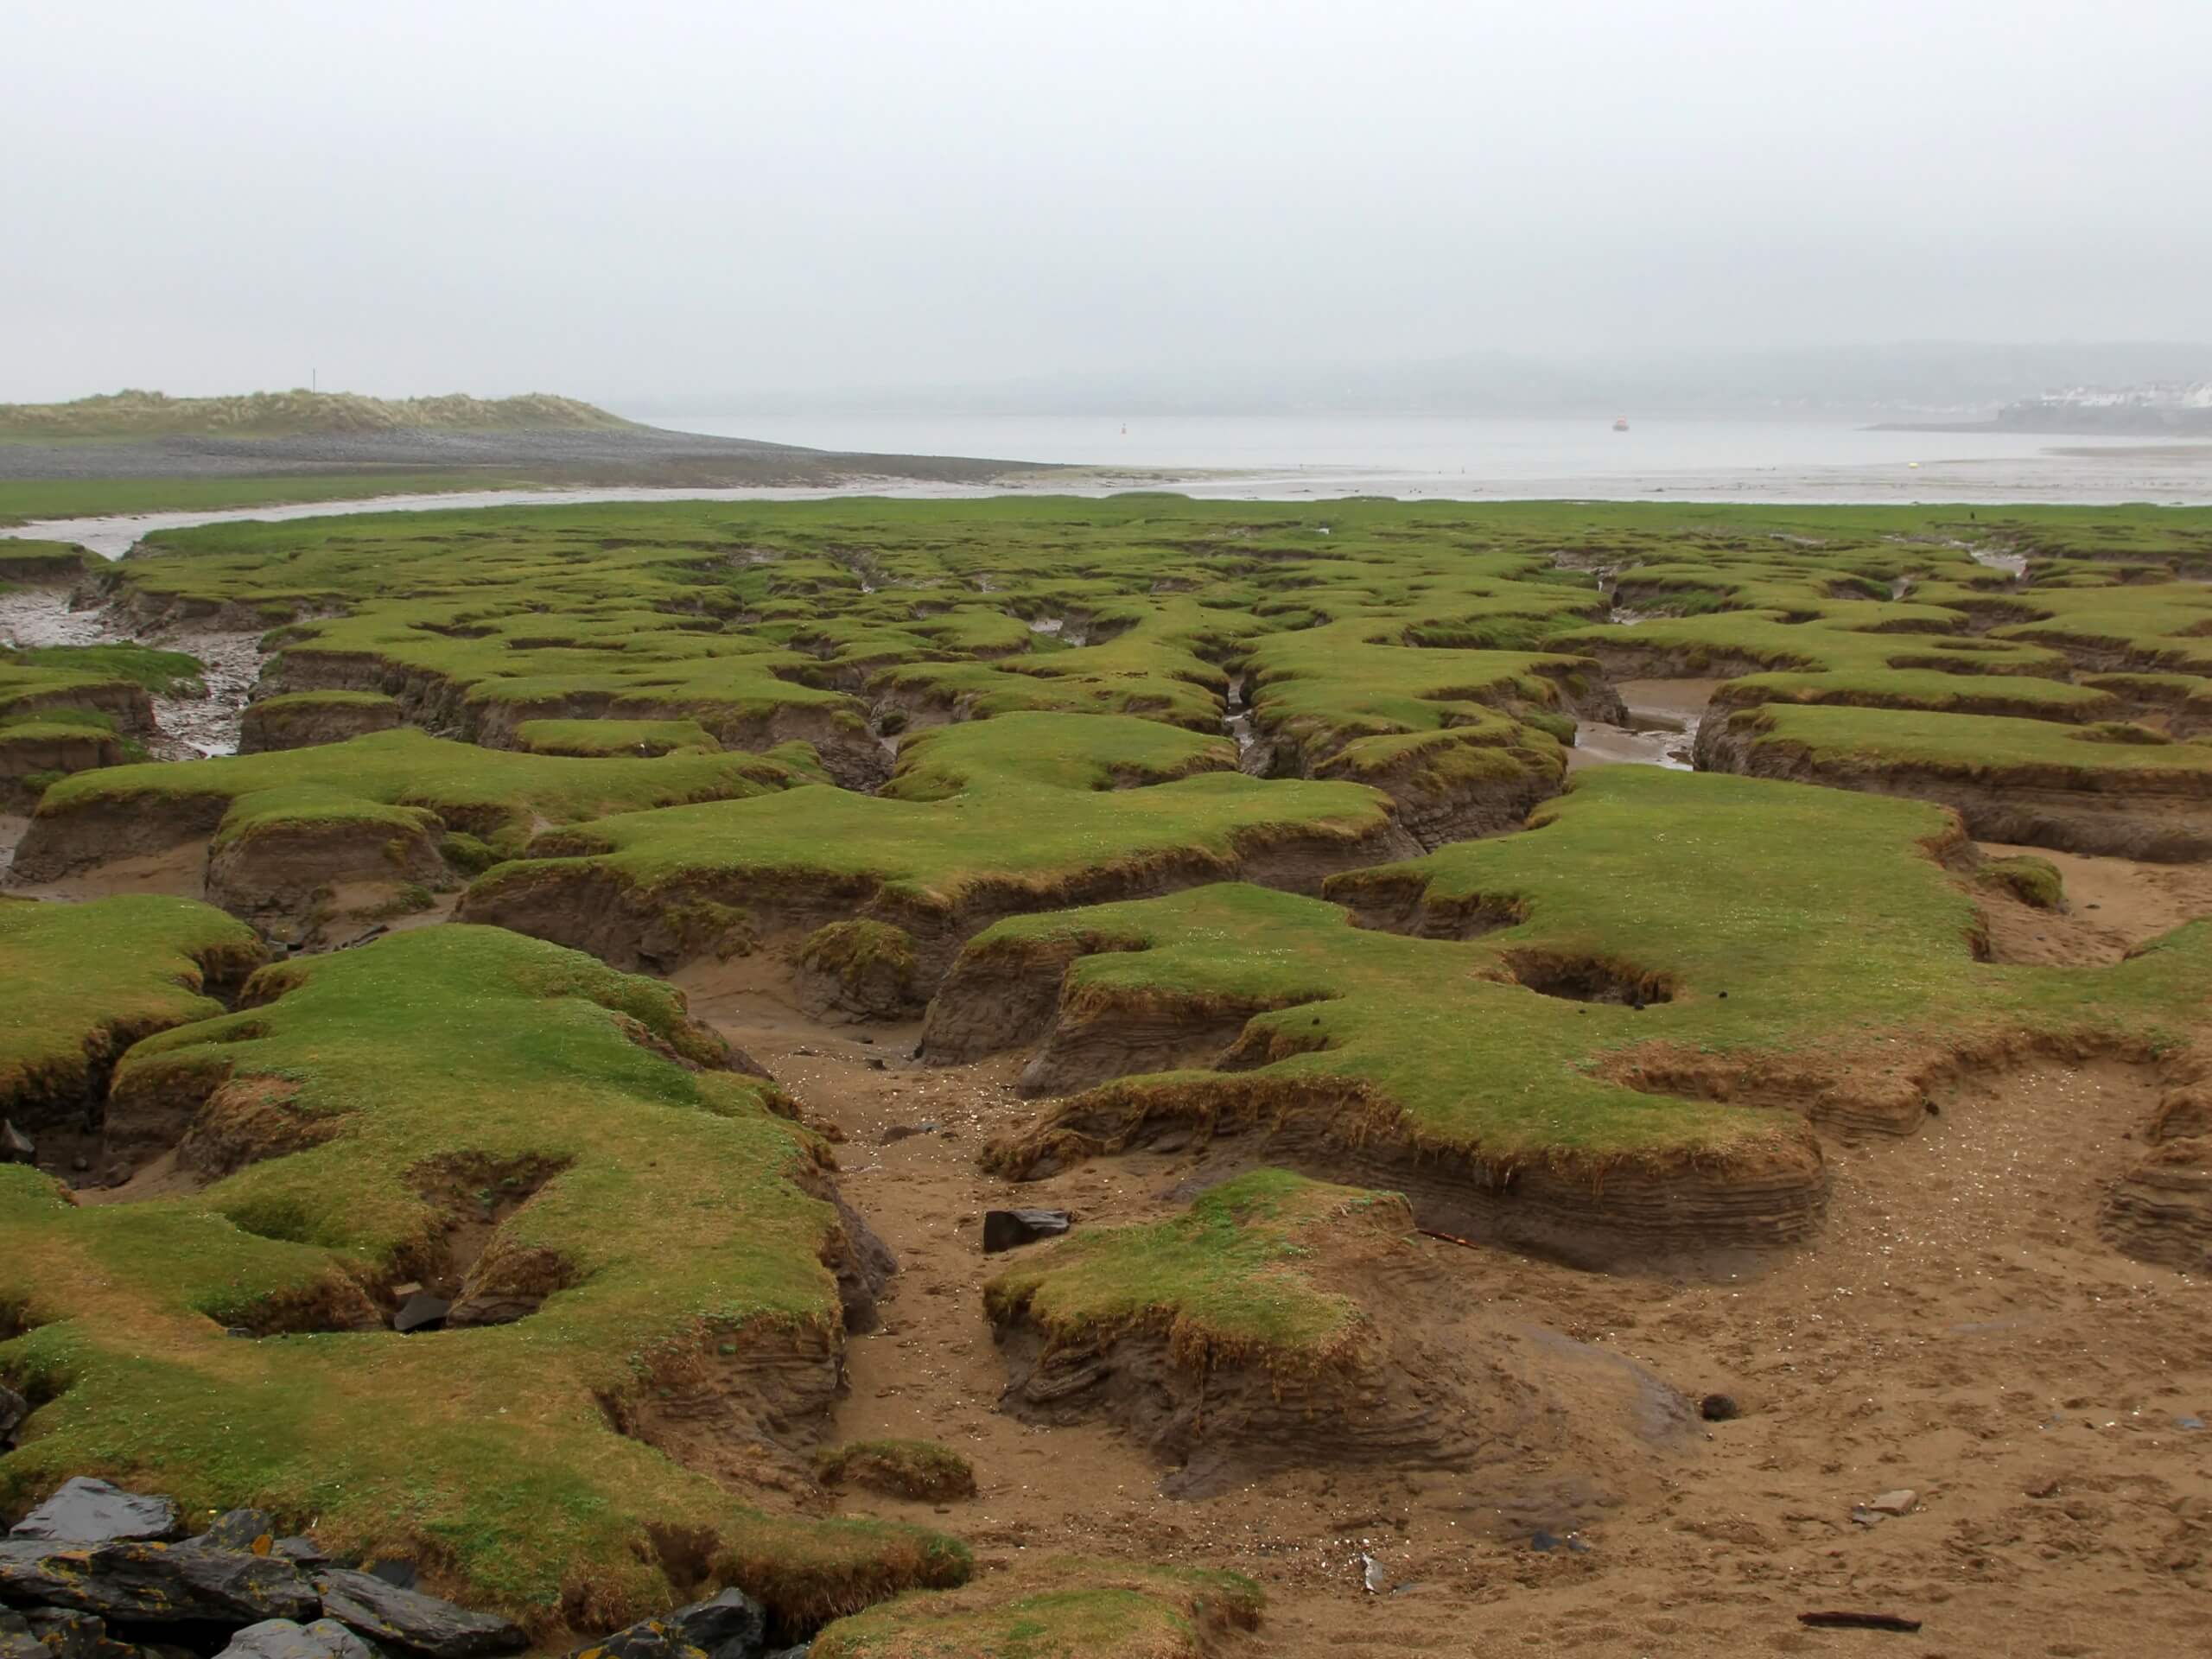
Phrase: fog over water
pixel 704 204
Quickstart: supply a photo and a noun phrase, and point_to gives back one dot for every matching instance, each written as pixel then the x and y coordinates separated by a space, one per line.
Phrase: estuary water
pixel 1298 457
pixel 1533 458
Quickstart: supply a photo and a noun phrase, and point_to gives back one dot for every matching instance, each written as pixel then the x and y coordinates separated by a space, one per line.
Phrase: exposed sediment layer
pixel 1622 1213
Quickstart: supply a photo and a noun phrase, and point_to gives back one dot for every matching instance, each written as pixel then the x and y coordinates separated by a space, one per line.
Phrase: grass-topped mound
pixel 303 719
pixel 1280 1322
pixel 24 560
pixel 1064 1608
pixel 643 1254
pixel 922 1470
pixel 367 814
pixel 134 414
pixel 1575 1037
pixel 1021 812
pixel 2113 788
pixel 1229 1282
pixel 85 982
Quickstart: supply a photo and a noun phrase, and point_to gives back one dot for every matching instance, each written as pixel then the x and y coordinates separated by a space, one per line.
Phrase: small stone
pixel 2189 1423
pixel 87 1511
pixel 1866 1517
pixel 1005 1229
pixel 2046 1486
pixel 1903 1501
pixel 877 1063
pixel 1718 1408
pixel 422 1311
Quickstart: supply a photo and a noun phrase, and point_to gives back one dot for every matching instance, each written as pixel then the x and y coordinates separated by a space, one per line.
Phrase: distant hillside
pixel 295 414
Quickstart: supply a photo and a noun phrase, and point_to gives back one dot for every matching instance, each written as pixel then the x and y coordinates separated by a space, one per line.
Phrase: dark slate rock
pixel 304 1551
pixel 281 1638
pixel 421 1311
pixel 395 1571
pixel 16 1146
pixel 16 1641
pixel 649 1638
pixel 75 1635
pixel 1004 1229
pixel 86 1511
pixel 146 1582
pixel 731 1625
pixel 253 1531
pixel 409 1619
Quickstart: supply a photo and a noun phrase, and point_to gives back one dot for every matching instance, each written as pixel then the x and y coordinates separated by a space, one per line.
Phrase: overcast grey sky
pixel 674 198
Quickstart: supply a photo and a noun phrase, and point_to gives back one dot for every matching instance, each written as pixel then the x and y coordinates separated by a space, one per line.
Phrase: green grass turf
pixel 1730 893
pixel 24 560
pixel 1221 1281
pixel 1059 1608
pixel 495 794
pixel 1026 799
pixel 163 673
pixel 680 1216
pixel 1984 748
pixel 85 981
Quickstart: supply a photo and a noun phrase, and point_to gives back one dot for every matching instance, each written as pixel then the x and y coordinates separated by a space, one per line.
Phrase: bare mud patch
pixel 2113 905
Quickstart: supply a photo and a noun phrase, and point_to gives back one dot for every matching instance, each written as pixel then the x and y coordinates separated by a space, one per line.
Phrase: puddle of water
pixel 1597 744
pixel 2015 564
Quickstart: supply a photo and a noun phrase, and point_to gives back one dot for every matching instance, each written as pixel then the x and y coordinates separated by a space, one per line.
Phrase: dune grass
pixel 286 414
